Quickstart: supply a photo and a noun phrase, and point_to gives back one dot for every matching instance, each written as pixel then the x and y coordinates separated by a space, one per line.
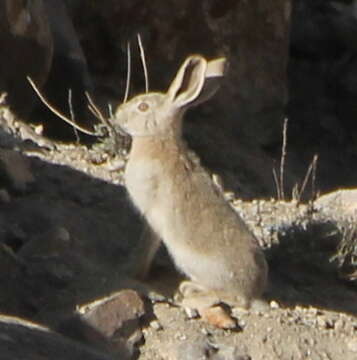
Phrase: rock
pixel 13 299
pixel 117 317
pixel 352 345
pixel 230 353
pixel 218 317
pixel 76 329
pixel 53 242
pixel 274 304
pixel 69 71
pixel 191 350
pixel 25 34
pixel 156 325
pixel 21 339
pixel 341 202
pixel 322 89
pixel 17 169
pixel 112 314
pixel 203 350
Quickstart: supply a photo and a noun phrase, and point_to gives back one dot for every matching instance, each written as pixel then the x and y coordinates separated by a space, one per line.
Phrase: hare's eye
pixel 143 106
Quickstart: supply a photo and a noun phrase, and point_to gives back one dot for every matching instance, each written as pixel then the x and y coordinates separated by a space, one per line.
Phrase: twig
pixel 110 110
pixel 313 178
pixel 56 112
pixel 71 111
pixel 128 73
pixel 142 56
pixel 3 97
pixel 311 170
pixel 99 115
pixel 282 160
pixel 275 176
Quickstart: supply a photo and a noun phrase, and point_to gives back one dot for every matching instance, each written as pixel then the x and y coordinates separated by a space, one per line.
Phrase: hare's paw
pixel 196 296
pixel 206 303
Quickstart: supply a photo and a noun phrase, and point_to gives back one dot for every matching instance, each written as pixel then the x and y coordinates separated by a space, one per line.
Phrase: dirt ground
pixel 68 237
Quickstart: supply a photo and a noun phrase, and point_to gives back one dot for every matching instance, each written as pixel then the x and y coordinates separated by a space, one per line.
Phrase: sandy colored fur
pixel 206 238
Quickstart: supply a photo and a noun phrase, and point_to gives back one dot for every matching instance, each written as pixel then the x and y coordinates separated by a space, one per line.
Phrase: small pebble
pixel 156 325
pixel 352 345
pixel 191 313
pixel 274 305
pixel 339 325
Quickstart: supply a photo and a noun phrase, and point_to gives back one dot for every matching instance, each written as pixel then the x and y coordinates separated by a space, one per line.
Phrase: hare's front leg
pixel 147 248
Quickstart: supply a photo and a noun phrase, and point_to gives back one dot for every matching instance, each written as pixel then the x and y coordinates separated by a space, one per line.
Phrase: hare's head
pixel 156 114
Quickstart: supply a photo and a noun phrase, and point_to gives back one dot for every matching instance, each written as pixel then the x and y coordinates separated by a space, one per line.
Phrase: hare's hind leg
pixel 196 296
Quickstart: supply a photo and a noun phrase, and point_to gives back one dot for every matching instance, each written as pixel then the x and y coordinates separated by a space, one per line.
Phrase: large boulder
pixel 26 43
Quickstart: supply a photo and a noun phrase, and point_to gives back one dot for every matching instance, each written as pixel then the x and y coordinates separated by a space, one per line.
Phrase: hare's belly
pixel 198 266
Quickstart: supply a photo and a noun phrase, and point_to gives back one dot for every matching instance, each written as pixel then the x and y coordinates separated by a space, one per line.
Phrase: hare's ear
pixel 214 73
pixel 196 81
pixel 189 81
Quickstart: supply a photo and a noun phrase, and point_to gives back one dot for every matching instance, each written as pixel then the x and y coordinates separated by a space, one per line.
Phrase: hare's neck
pixel 153 147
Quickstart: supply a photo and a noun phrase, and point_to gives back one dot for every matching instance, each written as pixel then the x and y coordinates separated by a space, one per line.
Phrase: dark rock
pixel 14 290
pixel 69 72
pixel 16 168
pixel 117 314
pixel 25 34
pixel 53 242
pixel 75 328
pixel 117 317
pixel 21 339
pixel 322 90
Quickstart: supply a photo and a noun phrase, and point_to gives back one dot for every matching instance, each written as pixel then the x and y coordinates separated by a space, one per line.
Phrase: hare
pixel 206 238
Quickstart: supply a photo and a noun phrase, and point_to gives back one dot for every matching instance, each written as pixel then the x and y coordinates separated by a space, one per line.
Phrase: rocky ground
pixel 69 237
pixel 68 241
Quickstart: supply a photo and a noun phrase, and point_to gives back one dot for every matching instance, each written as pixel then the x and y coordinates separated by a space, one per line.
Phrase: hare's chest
pixel 142 180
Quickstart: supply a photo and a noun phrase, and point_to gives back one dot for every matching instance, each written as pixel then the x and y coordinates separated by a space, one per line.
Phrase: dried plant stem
pixel 71 111
pixel 128 72
pixel 276 181
pixel 310 171
pixel 313 178
pixel 143 61
pixel 58 113
pixel 282 160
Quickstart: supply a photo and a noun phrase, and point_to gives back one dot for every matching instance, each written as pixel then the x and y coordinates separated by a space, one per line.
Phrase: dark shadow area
pixel 305 269
pixel 64 234
pixel 27 341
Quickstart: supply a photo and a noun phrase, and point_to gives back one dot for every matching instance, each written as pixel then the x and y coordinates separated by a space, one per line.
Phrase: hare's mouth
pixel 117 127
